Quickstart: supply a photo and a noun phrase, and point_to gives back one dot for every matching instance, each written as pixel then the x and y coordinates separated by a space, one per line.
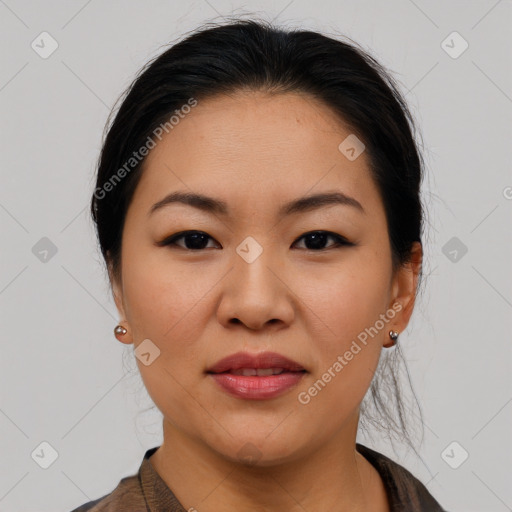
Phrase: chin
pixel 257 448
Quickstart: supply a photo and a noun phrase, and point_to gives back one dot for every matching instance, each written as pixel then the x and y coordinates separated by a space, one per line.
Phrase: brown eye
pixel 316 240
pixel 192 240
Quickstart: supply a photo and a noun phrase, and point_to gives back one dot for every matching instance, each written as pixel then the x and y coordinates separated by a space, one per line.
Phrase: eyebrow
pixel 316 201
pixel 217 206
pixel 200 201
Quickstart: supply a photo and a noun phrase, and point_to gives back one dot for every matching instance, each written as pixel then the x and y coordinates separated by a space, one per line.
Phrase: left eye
pixel 315 240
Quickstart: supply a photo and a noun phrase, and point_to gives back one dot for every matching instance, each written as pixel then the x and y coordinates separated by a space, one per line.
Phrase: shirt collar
pixel 158 497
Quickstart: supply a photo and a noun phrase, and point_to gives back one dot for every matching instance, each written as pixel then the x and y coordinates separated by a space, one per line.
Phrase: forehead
pixel 256 145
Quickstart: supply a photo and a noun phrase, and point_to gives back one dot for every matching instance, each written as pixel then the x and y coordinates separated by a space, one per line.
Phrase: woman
pixel 258 208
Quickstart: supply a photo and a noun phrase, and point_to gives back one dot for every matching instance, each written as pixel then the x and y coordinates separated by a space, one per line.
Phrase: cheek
pixel 164 305
pixel 350 297
pixel 347 356
pixel 349 302
pixel 162 300
pixel 168 306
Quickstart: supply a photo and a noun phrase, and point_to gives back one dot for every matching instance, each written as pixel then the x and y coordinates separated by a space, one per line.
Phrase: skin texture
pixel 257 151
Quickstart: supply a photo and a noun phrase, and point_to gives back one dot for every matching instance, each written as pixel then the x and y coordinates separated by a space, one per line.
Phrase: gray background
pixel 64 377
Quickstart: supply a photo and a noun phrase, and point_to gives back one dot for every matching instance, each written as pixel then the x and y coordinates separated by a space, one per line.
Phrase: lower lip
pixel 257 388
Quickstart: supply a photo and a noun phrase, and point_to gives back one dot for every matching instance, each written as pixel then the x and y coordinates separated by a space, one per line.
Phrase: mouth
pixel 256 377
pixel 259 372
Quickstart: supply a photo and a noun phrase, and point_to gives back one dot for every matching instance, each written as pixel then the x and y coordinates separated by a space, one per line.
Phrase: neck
pixel 332 477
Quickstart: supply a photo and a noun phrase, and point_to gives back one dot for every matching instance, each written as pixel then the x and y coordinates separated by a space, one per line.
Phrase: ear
pixel 403 288
pixel 117 294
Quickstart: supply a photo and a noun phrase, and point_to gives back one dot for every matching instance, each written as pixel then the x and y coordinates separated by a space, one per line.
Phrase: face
pixel 260 268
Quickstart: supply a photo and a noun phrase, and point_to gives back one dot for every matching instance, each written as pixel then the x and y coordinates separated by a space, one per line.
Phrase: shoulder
pixel 126 496
pixel 405 491
pixel 143 491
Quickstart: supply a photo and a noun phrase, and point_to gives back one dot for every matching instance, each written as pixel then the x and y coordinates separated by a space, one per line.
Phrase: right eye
pixel 192 240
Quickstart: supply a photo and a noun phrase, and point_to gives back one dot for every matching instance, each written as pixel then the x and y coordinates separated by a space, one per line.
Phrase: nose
pixel 256 295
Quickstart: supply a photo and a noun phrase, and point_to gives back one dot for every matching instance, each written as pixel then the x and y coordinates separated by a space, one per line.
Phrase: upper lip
pixel 261 360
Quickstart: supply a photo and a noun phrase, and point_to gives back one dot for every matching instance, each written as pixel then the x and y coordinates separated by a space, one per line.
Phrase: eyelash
pixel 339 240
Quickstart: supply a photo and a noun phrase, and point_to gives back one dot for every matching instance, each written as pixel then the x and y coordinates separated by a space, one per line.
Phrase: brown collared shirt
pixel 147 492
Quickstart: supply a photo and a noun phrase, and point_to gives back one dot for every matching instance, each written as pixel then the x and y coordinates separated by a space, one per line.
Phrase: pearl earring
pixel 120 330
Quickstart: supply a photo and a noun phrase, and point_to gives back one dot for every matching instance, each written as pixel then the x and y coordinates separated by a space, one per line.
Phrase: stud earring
pixel 394 338
pixel 120 330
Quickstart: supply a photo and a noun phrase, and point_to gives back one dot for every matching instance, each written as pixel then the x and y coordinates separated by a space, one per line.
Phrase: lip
pixel 262 360
pixel 255 387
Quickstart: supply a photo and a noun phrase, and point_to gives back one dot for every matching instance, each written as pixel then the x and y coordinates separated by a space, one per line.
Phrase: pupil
pixel 198 241
pixel 318 240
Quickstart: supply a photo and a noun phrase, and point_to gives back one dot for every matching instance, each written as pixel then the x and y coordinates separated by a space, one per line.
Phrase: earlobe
pixel 121 331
